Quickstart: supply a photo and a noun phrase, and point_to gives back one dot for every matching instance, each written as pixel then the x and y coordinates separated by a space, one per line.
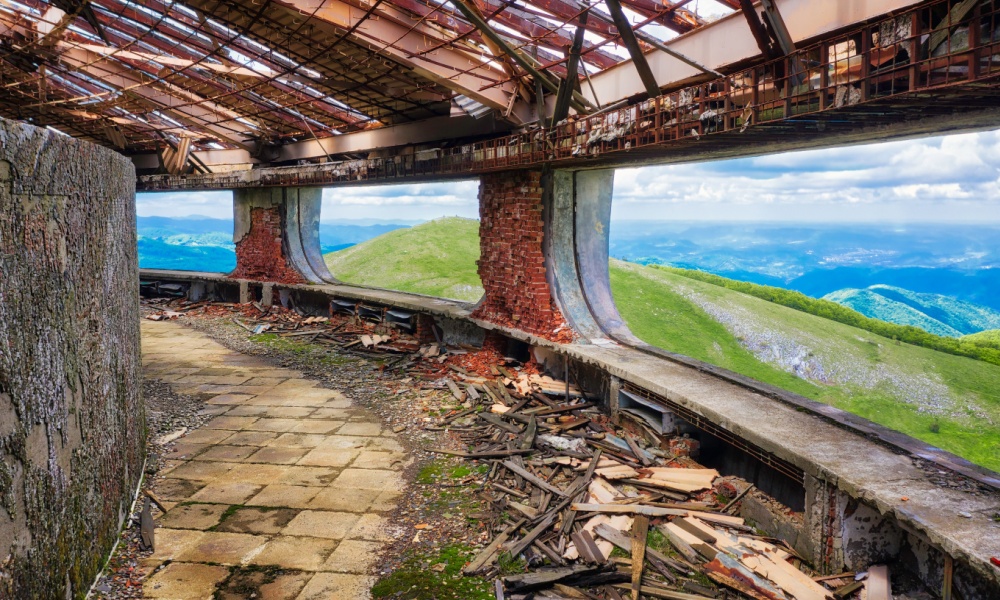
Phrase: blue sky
pixel 945 179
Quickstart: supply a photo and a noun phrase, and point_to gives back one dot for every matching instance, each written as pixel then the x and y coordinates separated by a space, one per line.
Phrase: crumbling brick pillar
pixel 72 421
pixel 512 265
pixel 276 231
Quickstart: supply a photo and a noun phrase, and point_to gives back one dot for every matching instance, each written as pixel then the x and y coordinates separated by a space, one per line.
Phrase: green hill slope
pixel 950 401
pixel 940 315
pixel 990 338
pixel 437 258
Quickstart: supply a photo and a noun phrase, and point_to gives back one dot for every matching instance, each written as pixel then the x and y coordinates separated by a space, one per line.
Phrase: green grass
pixel 417 579
pixel 666 307
pixel 437 258
pixel 658 306
pixel 989 338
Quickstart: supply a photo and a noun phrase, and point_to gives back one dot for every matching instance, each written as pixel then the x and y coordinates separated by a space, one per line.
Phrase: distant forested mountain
pixel 205 244
pixel 936 313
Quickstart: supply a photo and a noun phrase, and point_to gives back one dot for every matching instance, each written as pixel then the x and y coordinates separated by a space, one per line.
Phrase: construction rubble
pixel 580 506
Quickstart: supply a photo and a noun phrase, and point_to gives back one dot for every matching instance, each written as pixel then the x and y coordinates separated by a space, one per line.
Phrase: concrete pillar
pixel 276 231
pixel 72 420
pixel 544 264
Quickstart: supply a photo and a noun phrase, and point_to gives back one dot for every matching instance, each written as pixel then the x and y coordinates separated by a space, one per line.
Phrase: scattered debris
pixel 582 506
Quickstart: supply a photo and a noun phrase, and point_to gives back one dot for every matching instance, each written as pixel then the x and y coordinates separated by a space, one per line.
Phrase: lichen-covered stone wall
pixel 72 425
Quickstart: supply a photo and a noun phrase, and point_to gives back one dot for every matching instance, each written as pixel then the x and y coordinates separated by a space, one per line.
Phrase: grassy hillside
pixel 908 388
pixel 437 258
pixel 950 401
pixel 989 338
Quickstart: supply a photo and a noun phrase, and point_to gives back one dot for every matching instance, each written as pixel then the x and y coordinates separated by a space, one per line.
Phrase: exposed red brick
pixel 260 255
pixel 424 331
pixel 512 262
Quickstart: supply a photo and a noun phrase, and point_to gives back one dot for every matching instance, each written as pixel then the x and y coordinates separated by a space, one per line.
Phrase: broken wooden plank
pixel 534 479
pixel 528 437
pixel 640 529
pixel 486 553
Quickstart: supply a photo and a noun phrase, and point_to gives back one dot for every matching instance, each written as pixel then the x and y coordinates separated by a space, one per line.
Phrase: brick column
pixel 276 231
pixel 512 265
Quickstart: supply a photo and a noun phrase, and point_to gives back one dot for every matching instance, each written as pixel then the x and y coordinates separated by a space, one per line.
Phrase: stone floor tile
pixel 251 438
pixel 348 500
pixel 235 423
pixel 291 496
pixel 206 436
pixel 262 474
pixel 215 379
pixel 278 455
pixel 185 450
pixel 284 587
pixel 170 543
pixel 177 489
pixel 193 516
pixel 317 426
pixel 279 425
pixel 261 521
pixel 289 552
pixel 298 440
pixel 353 556
pixel 317 476
pixel 386 501
pixel 253 390
pixel 370 459
pixel 242 410
pixel 266 381
pixel 358 429
pixel 222 548
pixel 227 492
pixel 331 413
pixel 369 479
pixel 324 524
pixel 184 581
pixel 200 470
pixel 339 403
pixel 226 453
pixel 214 410
pixel 295 383
pixel 373 528
pixel 337 586
pixel 343 442
pixel 288 412
pixel 329 457
pixel 229 399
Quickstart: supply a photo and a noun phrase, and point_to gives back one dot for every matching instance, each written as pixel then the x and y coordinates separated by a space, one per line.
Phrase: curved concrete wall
pixel 72 425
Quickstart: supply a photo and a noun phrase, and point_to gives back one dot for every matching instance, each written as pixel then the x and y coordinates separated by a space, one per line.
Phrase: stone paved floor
pixel 285 474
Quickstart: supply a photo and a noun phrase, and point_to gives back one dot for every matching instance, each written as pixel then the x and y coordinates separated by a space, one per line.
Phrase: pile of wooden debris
pixel 568 488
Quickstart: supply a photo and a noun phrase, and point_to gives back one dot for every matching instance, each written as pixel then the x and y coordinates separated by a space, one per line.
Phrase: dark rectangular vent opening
pixel 776 477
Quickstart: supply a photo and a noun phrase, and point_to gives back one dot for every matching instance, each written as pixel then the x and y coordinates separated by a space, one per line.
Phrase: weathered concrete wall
pixel 512 237
pixel 72 425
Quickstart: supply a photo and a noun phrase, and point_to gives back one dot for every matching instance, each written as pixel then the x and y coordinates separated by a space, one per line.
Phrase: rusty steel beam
pixel 632 44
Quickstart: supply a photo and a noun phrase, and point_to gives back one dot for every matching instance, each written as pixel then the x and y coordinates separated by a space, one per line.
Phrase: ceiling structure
pixel 178 77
